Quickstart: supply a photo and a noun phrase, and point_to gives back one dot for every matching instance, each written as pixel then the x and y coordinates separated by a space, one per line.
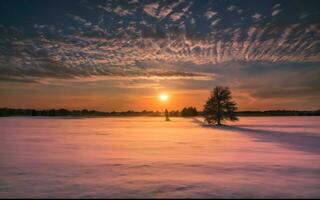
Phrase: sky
pixel 120 55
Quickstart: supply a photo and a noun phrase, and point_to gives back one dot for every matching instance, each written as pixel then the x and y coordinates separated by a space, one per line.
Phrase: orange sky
pixel 104 96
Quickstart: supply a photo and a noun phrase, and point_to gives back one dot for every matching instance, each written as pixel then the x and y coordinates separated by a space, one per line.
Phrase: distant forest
pixel 185 112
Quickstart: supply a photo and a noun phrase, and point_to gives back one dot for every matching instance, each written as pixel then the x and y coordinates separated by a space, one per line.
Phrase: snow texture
pixel 141 157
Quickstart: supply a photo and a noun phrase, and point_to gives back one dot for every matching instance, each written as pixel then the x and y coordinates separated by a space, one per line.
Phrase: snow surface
pixel 147 157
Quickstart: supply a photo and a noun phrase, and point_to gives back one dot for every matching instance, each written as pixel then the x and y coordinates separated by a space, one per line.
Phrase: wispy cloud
pixel 232 8
pixel 276 12
pixel 257 16
pixel 215 22
pixel 115 39
pixel 151 9
pixel 209 14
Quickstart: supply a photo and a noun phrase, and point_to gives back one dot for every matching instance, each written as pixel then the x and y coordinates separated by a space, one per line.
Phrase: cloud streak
pixel 121 40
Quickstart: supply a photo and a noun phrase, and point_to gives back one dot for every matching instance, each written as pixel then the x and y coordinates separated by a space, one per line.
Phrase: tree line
pixel 185 112
pixel 6 112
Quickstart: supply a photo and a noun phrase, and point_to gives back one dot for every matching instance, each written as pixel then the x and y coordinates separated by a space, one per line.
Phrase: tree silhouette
pixel 166 113
pixel 219 106
pixel 189 111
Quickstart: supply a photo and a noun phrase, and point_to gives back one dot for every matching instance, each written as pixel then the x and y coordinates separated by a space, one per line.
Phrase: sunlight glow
pixel 164 97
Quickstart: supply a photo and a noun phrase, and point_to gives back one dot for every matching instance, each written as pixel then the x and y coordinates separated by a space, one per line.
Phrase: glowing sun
pixel 163 97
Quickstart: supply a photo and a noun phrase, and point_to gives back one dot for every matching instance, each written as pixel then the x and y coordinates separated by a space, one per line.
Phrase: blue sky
pixel 268 52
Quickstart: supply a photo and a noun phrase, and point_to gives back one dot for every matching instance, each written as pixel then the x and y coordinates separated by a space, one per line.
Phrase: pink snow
pixel 146 157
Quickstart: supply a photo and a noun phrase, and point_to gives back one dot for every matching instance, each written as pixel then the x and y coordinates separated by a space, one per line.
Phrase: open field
pixel 148 157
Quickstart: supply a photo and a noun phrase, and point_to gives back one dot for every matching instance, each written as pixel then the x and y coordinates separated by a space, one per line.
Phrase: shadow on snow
pixel 301 141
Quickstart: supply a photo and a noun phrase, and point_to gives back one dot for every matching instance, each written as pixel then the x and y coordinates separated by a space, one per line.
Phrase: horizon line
pixel 129 110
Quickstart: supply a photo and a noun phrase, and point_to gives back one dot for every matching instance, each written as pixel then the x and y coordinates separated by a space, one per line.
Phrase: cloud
pixel 161 12
pixel 133 1
pixel 232 8
pixel 215 22
pixel 257 16
pixel 176 33
pixel 122 12
pixel 105 8
pixel 176 16
pixel 209 14
pixel 268 82
pixel 151 9
pixel 164 11
pixel 276 6
pixel 78 19
pixel 276 12
pixel 80 56
pixel 184 45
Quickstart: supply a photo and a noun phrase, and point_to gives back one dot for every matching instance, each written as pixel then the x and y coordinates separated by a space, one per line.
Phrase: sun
pixel 164 97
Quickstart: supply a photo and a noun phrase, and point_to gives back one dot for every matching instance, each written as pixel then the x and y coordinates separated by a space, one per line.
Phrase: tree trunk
pixel 219 114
